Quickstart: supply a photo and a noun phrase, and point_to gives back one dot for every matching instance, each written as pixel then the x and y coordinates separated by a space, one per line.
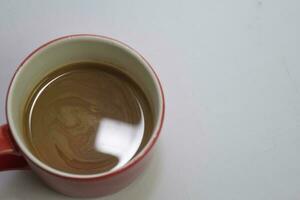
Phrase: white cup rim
pixel 131 163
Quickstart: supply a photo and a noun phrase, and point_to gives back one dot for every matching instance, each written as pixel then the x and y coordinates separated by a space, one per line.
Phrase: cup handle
pixel 10 157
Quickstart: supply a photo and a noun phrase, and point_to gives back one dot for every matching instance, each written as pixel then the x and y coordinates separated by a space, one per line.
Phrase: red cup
pixel 14 153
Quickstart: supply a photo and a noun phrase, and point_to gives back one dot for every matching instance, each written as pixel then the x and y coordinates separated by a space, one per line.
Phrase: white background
pixel 231 75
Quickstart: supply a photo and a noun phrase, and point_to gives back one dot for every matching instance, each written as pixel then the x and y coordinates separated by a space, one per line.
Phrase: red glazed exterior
pixel 91 187
pixel 10 157
pixel 96 186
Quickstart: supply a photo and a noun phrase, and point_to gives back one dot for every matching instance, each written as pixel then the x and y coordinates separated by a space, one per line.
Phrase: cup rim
pixel 102 175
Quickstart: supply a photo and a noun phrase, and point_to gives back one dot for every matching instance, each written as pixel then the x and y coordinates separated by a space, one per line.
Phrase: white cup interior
pixel 74 49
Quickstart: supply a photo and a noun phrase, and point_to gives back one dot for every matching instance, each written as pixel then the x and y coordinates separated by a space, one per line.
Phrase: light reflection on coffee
pixel 87 118
pixel 120 139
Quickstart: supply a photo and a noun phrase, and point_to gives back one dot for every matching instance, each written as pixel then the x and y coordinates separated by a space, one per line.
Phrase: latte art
pixel 87 118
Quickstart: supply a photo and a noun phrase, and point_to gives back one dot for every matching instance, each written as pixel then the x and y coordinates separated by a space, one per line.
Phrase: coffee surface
pixel 87 118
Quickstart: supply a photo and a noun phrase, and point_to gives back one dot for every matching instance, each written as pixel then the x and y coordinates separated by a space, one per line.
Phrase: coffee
pixel 87 118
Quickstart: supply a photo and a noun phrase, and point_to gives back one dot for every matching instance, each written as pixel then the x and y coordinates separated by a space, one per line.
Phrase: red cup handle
pixel 10 157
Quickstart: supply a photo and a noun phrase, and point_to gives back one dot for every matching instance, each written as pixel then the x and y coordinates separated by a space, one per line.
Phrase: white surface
pixel 231 76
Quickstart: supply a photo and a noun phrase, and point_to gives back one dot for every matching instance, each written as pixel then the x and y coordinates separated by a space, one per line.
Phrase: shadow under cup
pixel 70 50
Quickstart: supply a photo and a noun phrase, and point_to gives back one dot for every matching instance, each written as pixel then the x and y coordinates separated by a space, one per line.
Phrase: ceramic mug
pixel 14 153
